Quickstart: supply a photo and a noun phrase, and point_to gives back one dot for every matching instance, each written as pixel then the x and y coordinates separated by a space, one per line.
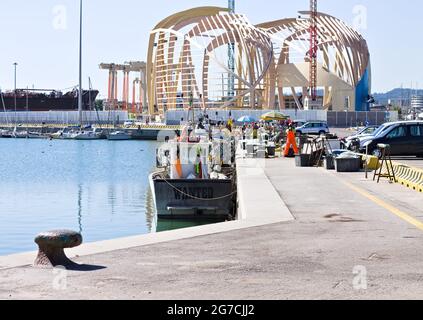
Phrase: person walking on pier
pixel 290 141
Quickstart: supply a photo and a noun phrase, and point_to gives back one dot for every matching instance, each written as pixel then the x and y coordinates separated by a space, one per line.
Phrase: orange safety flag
pixel 178 166
pixel 291 143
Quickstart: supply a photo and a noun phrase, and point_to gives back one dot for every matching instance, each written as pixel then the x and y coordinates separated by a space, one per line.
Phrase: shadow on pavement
pixel 84 267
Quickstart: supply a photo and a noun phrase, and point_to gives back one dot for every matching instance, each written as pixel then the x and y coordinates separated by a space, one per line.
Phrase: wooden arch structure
pixel 344 58
pixel 187 61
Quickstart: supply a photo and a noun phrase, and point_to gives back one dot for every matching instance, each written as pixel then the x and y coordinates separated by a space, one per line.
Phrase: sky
pixel 42 36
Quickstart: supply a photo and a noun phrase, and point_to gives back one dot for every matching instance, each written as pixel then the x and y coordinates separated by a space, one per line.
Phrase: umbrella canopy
pixel 247 119
pixel 274 116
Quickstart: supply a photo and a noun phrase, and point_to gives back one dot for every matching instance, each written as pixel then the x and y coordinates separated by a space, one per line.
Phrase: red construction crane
pixel 313 50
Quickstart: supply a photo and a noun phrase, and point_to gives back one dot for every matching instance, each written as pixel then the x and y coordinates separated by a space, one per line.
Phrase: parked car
pixel 299 123
pixel 314 128
pixel 404 137
pixel 364 132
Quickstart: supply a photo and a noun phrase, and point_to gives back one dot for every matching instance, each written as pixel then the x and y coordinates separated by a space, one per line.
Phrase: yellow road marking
pixel 404 216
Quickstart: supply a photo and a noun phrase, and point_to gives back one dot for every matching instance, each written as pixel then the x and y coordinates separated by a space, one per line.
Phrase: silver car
pixel 314 128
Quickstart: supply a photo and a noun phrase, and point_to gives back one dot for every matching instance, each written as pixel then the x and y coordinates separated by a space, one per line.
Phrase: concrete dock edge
pixel 259 205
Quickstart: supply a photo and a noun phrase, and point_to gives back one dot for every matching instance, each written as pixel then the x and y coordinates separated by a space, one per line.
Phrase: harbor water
pixel 99 188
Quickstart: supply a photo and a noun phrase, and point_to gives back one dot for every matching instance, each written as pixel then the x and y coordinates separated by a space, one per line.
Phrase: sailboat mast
pixel 80 65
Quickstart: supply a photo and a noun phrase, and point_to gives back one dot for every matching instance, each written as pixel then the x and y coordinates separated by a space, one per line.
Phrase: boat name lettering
pixel 202 193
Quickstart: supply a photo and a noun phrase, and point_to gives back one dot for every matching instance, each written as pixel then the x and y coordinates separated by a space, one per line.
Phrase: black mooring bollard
pixel 51 248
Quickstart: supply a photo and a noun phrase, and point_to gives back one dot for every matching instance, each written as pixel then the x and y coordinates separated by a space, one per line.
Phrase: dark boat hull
pixel 42 102
pixel 193 199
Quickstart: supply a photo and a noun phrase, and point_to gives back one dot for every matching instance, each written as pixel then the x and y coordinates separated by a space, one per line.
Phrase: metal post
pixel 15 64
pixel 367 159
pixel 80 65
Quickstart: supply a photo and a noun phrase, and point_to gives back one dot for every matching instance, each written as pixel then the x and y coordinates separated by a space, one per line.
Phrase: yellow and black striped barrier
pixel 409 177
pixel 405 175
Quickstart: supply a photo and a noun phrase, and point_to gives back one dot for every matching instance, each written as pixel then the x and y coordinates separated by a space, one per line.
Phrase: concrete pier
pixel 351 239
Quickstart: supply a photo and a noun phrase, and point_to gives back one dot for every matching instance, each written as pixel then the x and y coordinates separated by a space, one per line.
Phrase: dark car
pixel 405 139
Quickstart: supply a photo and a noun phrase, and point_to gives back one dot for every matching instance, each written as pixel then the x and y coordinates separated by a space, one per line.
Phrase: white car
pixel 314 128
pixel 365 132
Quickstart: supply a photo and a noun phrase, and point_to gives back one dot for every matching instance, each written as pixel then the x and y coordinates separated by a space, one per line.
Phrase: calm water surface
pixel 97 187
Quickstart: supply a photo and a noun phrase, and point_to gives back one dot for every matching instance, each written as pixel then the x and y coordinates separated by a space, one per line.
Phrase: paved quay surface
pixel 343 224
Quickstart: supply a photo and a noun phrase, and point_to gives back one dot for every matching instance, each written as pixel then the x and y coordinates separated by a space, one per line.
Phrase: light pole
pixel 80 92
pixel 15 65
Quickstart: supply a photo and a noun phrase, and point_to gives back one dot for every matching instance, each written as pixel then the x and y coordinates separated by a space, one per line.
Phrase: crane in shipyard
pixel 313 50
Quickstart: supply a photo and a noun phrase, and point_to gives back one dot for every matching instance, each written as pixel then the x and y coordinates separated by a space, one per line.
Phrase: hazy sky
pixel 46 47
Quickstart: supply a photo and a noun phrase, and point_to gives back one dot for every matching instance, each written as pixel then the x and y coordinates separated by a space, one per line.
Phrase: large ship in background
pixel 47 100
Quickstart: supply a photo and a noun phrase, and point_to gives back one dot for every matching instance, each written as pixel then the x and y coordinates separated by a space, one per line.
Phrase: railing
pixel 334 118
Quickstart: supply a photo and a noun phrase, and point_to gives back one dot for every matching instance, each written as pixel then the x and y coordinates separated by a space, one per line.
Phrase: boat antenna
pixel 80 65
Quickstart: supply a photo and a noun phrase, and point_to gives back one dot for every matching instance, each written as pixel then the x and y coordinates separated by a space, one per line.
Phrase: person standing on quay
pixel 290 141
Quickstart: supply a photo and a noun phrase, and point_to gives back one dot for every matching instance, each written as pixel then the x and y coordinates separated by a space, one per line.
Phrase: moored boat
pixel 118 136
pixel 6 134
pixel 86 135
pixel 195 180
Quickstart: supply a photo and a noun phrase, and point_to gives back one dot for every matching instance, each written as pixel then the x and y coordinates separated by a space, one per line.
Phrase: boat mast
pixel 80 65
pixel 15 64
pixel 27 110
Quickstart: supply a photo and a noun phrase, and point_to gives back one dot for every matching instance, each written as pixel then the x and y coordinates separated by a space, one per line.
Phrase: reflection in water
pixel 96 187
pixel 111 196
pixel 80 208
pixel 99 188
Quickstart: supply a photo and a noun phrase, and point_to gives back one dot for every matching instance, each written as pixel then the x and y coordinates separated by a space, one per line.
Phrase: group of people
pixel 275 131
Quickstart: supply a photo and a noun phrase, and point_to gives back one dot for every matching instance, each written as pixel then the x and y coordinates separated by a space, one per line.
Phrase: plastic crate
pixel 348 164
pixel 329 162
pixel 303 160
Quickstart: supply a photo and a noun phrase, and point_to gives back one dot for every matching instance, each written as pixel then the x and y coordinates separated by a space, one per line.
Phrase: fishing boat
pixel 195 179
